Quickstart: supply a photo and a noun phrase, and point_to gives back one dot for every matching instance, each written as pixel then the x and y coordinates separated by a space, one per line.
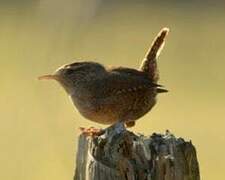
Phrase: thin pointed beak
pixel 47 77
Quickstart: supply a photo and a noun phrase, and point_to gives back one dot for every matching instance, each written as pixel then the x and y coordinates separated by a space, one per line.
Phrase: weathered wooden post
pixel 127 156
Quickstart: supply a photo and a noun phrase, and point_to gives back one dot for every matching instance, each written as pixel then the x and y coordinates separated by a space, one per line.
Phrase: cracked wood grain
pixel 128 156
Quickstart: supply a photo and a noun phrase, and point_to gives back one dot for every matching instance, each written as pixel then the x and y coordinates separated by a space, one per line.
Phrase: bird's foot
pixel 116 128
pixel 93 132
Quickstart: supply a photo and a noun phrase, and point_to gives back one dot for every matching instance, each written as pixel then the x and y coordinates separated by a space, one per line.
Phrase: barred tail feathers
pixel 149 63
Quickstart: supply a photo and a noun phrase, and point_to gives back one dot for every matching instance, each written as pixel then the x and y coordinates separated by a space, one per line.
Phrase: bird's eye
pixel 69 71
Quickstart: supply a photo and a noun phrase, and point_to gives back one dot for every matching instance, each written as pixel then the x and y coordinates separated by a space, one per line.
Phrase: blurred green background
pixel 39 125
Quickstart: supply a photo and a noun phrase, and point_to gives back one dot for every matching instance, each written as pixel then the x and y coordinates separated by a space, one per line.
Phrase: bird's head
pixel 71 76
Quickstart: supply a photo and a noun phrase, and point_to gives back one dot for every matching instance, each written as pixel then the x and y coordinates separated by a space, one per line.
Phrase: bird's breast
pixel 95 109
pixel 123 106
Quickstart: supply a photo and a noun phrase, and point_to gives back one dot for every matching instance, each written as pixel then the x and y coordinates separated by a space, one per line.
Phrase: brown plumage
pixel 108 95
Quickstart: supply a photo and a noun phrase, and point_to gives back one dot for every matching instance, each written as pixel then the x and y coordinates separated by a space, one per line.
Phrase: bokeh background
pixel 39 125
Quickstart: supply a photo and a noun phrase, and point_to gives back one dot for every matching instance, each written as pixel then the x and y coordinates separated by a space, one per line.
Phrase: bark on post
pixel 135 157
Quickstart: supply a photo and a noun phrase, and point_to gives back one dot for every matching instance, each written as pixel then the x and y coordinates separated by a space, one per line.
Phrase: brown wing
pixel 124 94
pixel 122 81
pixel 132 93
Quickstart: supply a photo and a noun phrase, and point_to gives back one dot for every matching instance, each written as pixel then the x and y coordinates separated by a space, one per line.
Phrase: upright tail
pixel 149 63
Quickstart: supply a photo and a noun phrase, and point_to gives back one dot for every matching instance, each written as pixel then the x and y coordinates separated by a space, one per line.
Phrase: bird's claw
pixel 93 132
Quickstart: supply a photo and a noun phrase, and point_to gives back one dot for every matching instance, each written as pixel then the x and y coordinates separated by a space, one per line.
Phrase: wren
pixel 113 95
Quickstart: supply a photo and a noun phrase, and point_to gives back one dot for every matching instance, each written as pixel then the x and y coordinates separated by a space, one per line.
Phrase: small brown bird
pixel 113 95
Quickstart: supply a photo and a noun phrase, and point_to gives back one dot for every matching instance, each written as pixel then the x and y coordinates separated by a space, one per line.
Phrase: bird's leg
pixel 130 124
pixel 114 129
pixel 119 127
pixel 92 131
